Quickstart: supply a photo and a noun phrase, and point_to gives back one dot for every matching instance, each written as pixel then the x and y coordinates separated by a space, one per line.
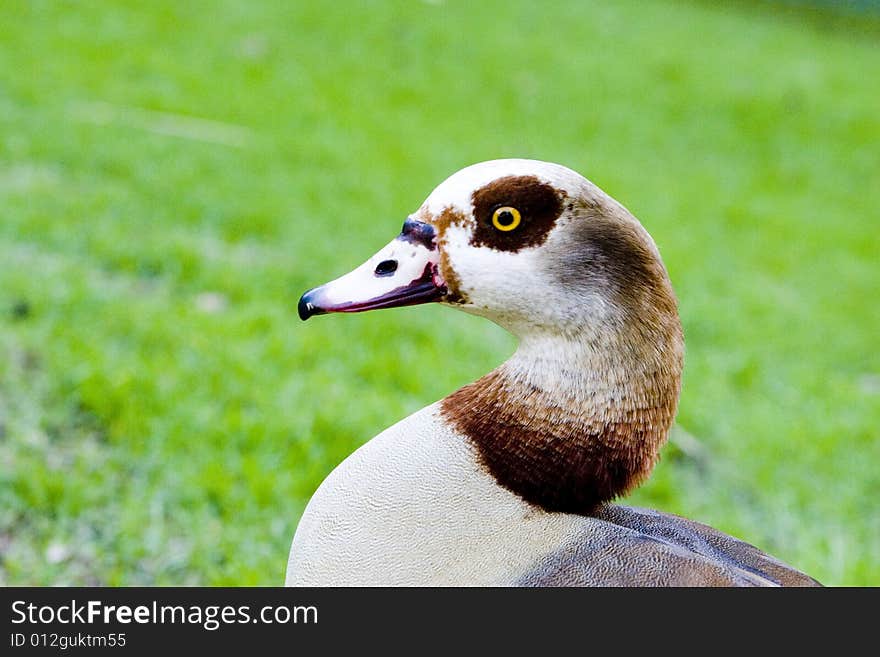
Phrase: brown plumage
pixel 554 452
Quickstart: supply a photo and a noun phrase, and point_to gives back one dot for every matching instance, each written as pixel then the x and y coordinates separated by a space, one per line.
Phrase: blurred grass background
pixel 173 175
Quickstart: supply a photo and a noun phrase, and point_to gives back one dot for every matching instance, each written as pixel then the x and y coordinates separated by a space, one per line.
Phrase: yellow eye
pixel 506 218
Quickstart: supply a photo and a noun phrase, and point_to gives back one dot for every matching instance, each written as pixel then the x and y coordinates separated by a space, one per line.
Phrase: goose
pixel 511 480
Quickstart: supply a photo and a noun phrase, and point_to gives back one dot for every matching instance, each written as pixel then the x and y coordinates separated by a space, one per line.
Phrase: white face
pixel 505 239
pixel 502 286
pixel 517 278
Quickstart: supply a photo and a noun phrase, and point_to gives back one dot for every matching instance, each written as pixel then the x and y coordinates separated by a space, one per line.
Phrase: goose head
pixel 578 414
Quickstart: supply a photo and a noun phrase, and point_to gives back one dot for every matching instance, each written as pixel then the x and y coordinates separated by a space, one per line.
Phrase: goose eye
pixel 506 218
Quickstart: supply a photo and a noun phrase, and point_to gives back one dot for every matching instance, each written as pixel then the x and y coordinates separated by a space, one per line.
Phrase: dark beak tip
pixel 306 308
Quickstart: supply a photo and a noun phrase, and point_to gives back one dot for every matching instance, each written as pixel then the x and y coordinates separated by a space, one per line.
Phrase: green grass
pixel 153 432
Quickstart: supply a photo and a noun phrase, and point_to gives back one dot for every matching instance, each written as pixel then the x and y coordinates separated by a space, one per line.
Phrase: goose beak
pixel 404 273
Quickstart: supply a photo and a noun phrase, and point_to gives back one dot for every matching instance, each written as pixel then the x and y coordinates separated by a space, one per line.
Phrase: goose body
pixel 510 480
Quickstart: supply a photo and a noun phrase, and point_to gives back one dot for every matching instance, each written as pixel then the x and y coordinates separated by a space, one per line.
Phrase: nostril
pixel 386 268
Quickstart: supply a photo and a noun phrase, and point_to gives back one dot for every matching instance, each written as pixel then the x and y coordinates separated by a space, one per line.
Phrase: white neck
pixel 588 367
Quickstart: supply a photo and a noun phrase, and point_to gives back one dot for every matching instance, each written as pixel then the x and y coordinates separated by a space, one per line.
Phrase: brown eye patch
pixel 538 203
